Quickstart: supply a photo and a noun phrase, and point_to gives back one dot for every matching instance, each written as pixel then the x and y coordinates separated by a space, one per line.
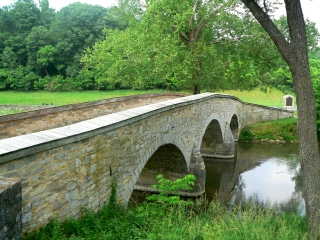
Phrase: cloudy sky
pixel 310 7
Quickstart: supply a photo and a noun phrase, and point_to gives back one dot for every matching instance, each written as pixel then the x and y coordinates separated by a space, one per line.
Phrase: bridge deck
pixel 10 148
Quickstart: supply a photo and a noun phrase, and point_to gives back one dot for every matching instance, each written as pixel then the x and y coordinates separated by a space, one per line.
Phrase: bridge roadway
pixel 69 168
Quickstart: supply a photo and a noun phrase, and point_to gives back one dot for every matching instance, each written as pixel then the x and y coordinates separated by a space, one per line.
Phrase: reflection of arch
pixel 234 126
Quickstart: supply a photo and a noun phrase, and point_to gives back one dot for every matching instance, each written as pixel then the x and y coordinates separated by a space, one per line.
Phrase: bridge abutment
pixel 198 169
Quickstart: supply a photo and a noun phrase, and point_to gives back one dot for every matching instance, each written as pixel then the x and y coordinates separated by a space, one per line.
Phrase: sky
pixel 310 8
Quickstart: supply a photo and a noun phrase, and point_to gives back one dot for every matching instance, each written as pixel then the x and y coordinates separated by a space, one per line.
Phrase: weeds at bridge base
pixel 177 221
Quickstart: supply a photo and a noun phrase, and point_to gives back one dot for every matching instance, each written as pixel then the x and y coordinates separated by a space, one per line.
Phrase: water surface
pixel 261 173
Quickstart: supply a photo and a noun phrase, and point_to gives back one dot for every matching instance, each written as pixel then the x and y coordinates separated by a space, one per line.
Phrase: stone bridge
pixel 68 168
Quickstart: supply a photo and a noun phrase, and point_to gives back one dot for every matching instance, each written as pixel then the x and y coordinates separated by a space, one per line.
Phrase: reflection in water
pixel 261 173
pixel 264 174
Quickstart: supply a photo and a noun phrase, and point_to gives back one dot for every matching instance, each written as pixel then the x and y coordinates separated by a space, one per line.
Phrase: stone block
pixel 11 208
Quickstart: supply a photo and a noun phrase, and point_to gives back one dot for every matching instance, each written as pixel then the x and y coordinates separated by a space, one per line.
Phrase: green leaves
pixel 166 187
pixel 45 55
pixel 175 45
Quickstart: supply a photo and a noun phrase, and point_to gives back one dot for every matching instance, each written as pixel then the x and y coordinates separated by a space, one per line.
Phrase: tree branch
pixel 263 18
pixel 184 39
pixel 181 36
pixel 203 23
pixel 194 12
pixel 265 6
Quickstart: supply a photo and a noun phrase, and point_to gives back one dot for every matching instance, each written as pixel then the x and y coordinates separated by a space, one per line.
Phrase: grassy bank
pixel 283 130
pixel 273 98
pixel 167 217
pixel 157 221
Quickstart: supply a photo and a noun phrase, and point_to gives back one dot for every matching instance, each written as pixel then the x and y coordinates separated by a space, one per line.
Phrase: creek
pixel 261 173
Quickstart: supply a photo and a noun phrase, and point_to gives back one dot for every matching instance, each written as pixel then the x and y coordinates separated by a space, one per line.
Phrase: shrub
pixel 167 188
pixel 246 134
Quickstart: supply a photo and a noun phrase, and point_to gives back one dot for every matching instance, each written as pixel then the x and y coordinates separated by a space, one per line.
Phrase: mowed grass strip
pixel 64 98
pixel 273 98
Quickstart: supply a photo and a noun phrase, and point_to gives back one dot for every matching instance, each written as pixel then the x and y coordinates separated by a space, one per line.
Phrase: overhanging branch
pixel 269 26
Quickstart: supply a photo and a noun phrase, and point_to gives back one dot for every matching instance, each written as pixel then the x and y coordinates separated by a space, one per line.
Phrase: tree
pixel 47 13
pixel 294 50
pixel 174 44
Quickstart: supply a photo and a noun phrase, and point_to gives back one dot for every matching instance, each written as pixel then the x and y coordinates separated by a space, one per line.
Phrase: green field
pixel 64 98
pixel 273 98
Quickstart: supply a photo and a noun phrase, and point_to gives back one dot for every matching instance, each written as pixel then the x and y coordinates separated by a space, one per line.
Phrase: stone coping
pixel 7 182
pixel 19 146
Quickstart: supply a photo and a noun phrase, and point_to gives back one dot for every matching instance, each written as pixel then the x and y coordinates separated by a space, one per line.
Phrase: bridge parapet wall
pixel 72 167
pixel 48 118
pixel 253 113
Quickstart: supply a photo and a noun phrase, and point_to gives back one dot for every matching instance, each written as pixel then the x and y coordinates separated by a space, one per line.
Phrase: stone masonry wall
pixel 253 113
pixel 10 208
pixel 66 169
pixel 53 117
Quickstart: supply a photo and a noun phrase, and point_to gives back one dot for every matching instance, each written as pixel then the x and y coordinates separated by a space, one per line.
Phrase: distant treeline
pixel 86 47
pixel 41 48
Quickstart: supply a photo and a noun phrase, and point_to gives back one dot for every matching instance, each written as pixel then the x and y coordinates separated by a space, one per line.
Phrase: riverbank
pixel 164 221
pixel 278 131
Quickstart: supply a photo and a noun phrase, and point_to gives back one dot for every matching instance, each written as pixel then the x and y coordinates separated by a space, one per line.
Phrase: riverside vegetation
pixel 165 216
pixel 283 130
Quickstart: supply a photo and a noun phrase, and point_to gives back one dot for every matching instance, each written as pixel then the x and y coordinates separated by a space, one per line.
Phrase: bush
pixel 246 135
pixel 283 129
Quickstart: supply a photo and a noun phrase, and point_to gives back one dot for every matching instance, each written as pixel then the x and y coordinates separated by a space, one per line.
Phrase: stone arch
pixel 234 126
pixel 165 140
pixel 167 160
pixel 212 137
pixel 213 116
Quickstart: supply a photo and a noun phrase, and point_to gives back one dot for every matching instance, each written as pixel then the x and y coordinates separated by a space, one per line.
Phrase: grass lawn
pixel 273 98
pixel 64 98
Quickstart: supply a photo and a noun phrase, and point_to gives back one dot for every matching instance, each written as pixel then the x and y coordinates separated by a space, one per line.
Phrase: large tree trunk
pixel 308 146
pixel 295 54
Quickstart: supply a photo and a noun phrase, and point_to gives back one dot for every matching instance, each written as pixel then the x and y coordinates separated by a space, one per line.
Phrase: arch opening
pixel 167 160
pixel 212 140
pixel 234 126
